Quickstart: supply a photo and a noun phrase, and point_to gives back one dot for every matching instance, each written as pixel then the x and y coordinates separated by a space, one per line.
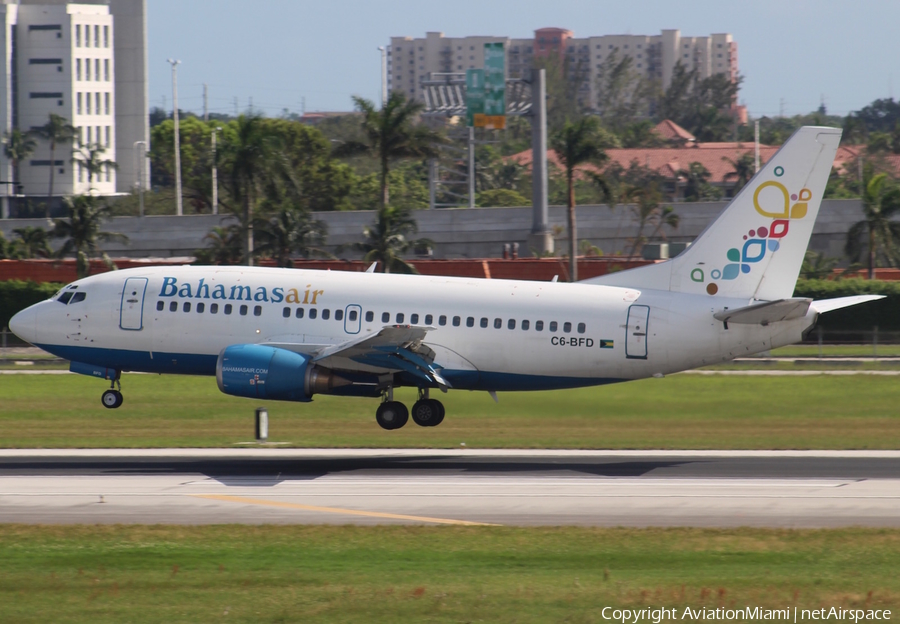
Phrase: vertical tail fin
pixel 755 248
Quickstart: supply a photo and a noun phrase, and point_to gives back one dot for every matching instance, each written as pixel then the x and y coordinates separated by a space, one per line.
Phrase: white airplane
pixel 288 334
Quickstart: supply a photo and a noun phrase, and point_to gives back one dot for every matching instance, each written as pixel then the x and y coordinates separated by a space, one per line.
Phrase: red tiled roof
pixel 671 131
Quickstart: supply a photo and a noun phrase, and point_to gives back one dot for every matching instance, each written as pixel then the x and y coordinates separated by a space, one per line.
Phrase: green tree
pixel 290 233
pixel 18 146
pixel 499 197
pixel 8 250
pixel 224 246
pixel 743 169
pixel 388 239
pixel 57 131
pixel 623 95
pixel 33 242
pixel 90 157
pixel 82 234
pixel 390 134
pixel 576 144
pixel 877 233
pixel 696 183
pixel 249 156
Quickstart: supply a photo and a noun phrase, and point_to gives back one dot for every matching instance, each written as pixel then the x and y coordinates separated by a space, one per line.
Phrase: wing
pixel 395 348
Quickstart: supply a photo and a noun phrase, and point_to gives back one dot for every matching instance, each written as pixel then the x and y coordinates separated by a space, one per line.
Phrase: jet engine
pixel 261 372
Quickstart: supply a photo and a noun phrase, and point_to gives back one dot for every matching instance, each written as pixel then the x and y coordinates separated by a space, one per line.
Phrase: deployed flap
pixel 765 313
pixel 827 305
pixel 394 348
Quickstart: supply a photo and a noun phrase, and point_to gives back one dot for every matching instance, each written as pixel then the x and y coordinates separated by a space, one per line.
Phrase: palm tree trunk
pixel 248 241
pixel 385 193
pixel 52 171
pixel 871 253
pixel 573 235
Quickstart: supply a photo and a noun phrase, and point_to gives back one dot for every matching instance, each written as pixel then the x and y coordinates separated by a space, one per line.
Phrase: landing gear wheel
pixel 428 413
pixel 112 399
pixel 392 415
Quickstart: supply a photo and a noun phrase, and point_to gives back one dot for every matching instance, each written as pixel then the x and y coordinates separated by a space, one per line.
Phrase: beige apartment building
pixel 414 60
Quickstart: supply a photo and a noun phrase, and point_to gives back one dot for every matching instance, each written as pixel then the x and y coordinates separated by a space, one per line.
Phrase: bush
pixel 885 313
pixel 16 295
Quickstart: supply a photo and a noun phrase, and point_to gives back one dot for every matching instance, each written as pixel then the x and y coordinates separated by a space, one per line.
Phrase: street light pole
pixel 139 167
pixel 178 206
pixel 384 93
pixel 215 174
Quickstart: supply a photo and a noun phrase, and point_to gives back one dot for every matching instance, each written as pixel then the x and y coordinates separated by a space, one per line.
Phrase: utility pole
pixel 756 144
pixel 471 167
pixel 178 205
pixel 384 95
pixel 540 229
pixel 139 157
pixel 215 174
pixel 205 102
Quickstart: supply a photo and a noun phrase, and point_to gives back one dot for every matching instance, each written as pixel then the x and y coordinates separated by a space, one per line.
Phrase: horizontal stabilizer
pixel 765 313
pixel 827 305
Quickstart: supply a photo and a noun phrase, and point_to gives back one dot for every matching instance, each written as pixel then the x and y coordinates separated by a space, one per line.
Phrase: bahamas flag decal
pixel 607 344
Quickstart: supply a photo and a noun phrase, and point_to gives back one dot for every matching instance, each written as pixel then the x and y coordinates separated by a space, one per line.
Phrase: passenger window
pixel 539 326
pixel 299 313
pixel 243 310
pixel 456 321
pixel 326 314
pixel 400 317
pixel 581 328
pixel 173 306
pixel 567 327
pixel 200 308
pixel 257 311
pixel 370 316
pixel 470 321
pixel 214 308
pixel 228 308
pixel 498 323
pixel 339 315
pixel 414 319
pixel 385 317
pixel 553 326
pixel 313 313
pixel 429 319
pixel 353 315
pixel 286 312
pixel 484 321
pixel 160 306
pixel 511 324
pixel 526 325
pixel 442 319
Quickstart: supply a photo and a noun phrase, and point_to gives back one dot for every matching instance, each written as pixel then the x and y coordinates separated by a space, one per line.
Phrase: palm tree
pixel 576 144
pixel 391 134
pixel 291 232
pixel 744 168
pixel 82 233
pixel 8 251
pixel 696 182
pixel 91 158
pixel 388 239
pixel 249 155
pixel 224 246
pixel 877 232
pixel 33 242
pixel 18 146
pixel 57 131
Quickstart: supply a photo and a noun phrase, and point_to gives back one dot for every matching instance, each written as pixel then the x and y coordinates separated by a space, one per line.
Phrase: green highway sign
pixel 494 79
pixel 474 95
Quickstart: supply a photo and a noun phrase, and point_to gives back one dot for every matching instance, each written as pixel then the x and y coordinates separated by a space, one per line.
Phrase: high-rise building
pixel 413 60
pixel 85 62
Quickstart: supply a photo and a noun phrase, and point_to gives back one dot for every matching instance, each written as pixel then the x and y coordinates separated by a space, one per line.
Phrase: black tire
pixel 391 415
pixel 111 399
pixel 427 413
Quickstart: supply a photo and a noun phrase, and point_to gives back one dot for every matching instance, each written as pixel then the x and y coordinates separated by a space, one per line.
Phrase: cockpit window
pixel 79 296
pixel 64 298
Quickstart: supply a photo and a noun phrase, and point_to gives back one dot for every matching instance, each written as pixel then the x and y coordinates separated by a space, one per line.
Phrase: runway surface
pixel 600 488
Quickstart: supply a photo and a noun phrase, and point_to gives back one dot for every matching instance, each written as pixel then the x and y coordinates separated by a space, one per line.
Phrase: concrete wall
pixel 462 233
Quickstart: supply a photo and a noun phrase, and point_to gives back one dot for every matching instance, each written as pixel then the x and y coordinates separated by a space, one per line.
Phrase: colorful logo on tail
pixel 781 207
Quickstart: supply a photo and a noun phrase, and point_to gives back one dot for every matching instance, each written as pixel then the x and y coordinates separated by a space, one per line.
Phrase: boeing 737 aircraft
pixel 288 334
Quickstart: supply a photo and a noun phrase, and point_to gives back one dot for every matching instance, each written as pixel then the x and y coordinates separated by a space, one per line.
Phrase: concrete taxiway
pixel 599 488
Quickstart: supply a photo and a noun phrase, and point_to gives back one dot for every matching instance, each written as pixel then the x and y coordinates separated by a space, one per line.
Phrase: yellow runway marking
pixel 338 510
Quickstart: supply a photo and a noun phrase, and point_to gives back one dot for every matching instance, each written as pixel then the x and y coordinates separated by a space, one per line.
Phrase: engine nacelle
pixel 261 372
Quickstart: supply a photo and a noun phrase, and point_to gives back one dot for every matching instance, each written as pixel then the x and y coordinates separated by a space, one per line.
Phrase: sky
pixel 283 53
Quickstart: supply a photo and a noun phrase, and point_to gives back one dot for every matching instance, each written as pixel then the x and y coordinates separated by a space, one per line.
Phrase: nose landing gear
pixel 113 398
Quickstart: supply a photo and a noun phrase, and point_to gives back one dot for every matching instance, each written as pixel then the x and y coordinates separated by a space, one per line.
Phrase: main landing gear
pixel 113 398
pixel 393 414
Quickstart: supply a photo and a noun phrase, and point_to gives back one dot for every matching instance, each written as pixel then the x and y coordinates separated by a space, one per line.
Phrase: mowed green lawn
pixel 678 412
pixel 429 574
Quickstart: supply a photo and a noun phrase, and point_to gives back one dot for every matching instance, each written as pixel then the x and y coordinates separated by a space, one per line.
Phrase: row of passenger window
pixel 227 308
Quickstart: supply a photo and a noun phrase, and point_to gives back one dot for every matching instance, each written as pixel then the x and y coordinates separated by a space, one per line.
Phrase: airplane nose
pixel 24 324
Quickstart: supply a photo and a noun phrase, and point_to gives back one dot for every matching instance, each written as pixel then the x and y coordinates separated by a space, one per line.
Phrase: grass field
pixel 681 412
pixel 419 574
